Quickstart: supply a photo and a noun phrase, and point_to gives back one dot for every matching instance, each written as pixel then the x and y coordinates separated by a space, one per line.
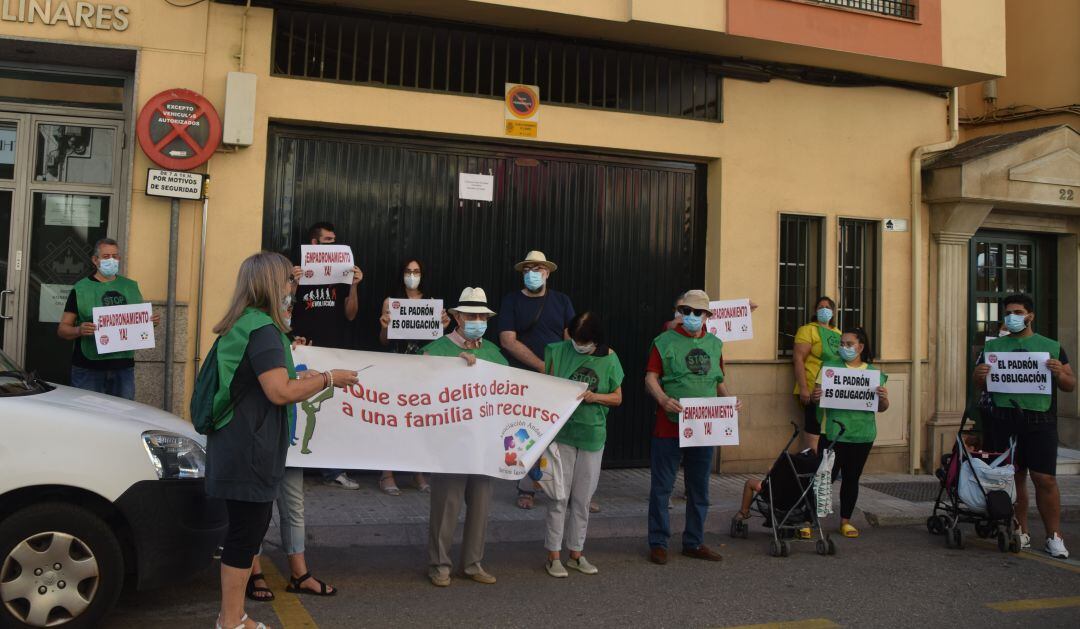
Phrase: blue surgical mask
pixel 109 267
pixel 824 315
pixel 848 354
pixel 534 280
pixel 1015 323
pixel 474 329
pixel 692 323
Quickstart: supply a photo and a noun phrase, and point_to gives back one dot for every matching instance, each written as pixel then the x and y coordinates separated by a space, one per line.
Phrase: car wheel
pixel 60 565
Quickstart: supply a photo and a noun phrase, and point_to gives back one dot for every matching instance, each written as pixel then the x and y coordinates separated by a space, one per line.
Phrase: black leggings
pixel 850 460
pixel 248 522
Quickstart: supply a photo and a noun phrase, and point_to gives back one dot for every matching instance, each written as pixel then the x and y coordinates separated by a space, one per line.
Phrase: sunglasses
pixel 687 310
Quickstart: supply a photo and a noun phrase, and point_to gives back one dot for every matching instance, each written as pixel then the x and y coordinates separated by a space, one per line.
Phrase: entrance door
pixel 59 185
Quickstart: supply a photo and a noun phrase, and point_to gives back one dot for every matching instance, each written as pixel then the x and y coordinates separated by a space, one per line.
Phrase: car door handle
pixel 3 303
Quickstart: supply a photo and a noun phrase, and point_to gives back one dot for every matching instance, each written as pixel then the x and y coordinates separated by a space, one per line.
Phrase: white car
pixel 95 492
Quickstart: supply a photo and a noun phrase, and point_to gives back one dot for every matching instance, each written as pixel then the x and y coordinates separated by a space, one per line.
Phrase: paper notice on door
pixel 51 302
pixel 476 187
pixel 68 210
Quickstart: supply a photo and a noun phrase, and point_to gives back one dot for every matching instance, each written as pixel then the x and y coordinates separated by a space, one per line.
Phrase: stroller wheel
pixel 1014 543
pixel 744 530
pixel 774 548
pixel 821 547
pixel 957 537
pixel 983 529
pixel 785 549
pixel 1002 541
pixel 934 525
pixel 831 544
pixel 733 530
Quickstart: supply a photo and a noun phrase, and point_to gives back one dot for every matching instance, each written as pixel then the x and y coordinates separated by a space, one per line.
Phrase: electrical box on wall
pixel 238 128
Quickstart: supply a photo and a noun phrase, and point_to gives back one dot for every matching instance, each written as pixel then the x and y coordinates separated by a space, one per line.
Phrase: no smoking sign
pixel 179 129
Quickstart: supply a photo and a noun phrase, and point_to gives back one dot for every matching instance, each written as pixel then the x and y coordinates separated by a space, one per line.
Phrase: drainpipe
pixel 915 422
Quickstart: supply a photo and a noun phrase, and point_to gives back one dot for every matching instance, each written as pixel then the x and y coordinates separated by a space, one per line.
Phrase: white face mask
pixel 588 348
pixel 412 281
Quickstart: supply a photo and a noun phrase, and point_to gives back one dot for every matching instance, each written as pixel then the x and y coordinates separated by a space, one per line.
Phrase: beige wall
pixel 972 32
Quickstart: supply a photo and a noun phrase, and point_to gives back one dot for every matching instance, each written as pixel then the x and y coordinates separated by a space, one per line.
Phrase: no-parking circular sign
pixel 178 129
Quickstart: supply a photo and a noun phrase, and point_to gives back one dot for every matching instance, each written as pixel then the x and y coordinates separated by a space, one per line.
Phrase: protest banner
pixel 1019 372
pixel 730 320
pixel 708 421
pixel 428 414
pixel 326 264
pixel 123 328
pixel 850 389
pixel 415 319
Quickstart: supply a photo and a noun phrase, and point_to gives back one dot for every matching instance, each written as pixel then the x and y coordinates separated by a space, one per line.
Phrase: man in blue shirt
pixel 530 319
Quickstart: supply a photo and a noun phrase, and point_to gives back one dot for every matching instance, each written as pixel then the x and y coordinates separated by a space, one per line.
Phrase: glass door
pixel 12 151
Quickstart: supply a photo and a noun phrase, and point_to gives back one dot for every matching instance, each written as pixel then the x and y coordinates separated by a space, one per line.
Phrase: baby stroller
pixel 979 488
pixel 786 501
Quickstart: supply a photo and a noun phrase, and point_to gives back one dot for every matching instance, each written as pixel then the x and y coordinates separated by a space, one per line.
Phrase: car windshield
pixel 15 381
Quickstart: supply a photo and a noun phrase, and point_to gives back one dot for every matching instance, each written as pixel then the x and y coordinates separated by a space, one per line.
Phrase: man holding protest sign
pixel 321 314
pixel 685 362
pixel 111 373
pixel 450 491
pixel 1015 369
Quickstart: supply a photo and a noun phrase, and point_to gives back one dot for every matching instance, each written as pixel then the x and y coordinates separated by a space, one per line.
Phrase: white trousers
pixel 581 472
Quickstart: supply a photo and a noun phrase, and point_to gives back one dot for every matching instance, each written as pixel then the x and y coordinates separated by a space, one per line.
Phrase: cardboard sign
pixel 326 264
pixel 123 328
pixel 1019 372
pixel 850 389
pixel 428 414
pixel 415 319
pixel 476 187
pixel 730 320
pixel 708 421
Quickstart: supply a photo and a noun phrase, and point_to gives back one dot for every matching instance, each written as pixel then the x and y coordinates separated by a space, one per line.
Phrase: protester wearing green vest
pixel 245 453
pixel 1030 418
pixel 111 374
pixel 450 491
pixel 586 358
pixel 815 342
pixel 685 362
pixel 853 447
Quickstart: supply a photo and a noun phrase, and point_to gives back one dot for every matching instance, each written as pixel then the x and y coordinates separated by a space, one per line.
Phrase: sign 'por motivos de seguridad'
pixel 105 17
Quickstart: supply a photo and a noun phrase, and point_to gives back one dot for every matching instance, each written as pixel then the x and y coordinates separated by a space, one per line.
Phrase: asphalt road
pixel 889 577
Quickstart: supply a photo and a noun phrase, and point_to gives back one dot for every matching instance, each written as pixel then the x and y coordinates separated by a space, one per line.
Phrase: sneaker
pixel 582 565
pixel 343 481
pixel 1055 547
pixel 481 576
pixel 440 580
pixel 556 569
pixel 1025 541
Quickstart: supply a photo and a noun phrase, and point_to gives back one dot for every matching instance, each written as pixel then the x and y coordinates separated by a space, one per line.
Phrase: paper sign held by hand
pixel 123 328
pixel 708 421
pixel 326 264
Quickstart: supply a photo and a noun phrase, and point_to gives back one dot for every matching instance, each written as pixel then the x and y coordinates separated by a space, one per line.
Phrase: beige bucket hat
pixel 536 257
pixel 474 301
pixel 696 299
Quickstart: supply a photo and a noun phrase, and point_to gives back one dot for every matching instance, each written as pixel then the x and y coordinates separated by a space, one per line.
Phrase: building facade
pixel 756 148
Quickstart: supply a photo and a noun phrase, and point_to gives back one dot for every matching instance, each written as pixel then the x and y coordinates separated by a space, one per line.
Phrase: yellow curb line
pixel 812 623
pixel 1030 554
pixel 290 611
pixel 1035 603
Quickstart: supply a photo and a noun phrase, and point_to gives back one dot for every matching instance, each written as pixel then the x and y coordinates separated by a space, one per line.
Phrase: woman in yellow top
pixel 815 342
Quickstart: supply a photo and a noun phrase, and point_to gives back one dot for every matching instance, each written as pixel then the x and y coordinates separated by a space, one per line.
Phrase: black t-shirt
pixel 78 358
pixel 518 312
pixel 246 458
pixel 319 314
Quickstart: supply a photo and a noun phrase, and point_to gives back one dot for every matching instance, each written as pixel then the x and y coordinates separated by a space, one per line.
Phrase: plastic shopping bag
pixel 551 474
pixel 823 484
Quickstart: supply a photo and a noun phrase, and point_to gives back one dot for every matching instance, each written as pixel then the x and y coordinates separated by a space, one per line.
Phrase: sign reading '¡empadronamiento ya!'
pixel 107 17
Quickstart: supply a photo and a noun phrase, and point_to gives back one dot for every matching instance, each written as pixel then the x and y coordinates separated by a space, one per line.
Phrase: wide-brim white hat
pixel 536 257
pixel 473 301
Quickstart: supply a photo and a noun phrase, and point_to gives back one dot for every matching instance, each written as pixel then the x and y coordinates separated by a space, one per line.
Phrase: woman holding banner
pixel 257 382
pixel 586 358
pixel 860 427
pixel 412 275
pixel 815 342
pixel 449 491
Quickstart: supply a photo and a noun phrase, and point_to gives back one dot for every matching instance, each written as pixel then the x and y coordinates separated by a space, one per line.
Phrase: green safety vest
pixel 859 426
pixel 445 347
pixel 89 295
pixel 691 365
pixel 1033 343
pixel 231 347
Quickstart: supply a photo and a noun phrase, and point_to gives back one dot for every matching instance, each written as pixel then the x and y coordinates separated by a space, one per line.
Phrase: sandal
pixel 848 531
pixel 294 586
pixel 242 625
pixel 389 488
pixel 742 515
pixel 525 501
pixel 422 485
pixel 258 594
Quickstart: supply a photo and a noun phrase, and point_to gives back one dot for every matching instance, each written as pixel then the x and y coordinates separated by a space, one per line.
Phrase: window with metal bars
pixel 896 8
pixel 800 276
pixel 857 277
pixel 460 59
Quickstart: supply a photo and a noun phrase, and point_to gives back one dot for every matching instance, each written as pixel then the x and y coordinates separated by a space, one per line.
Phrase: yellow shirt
pixel 810 334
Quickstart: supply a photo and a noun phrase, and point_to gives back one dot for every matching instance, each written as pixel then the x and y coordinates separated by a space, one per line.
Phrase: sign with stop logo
pixel 178 129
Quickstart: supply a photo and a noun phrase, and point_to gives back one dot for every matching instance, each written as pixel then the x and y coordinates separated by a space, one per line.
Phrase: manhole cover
pixel 917 491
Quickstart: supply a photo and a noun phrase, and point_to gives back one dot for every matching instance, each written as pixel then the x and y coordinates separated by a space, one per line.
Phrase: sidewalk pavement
pixel 367 517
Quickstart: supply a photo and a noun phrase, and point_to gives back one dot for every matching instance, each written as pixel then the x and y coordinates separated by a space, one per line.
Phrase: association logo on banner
pixel 517 439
